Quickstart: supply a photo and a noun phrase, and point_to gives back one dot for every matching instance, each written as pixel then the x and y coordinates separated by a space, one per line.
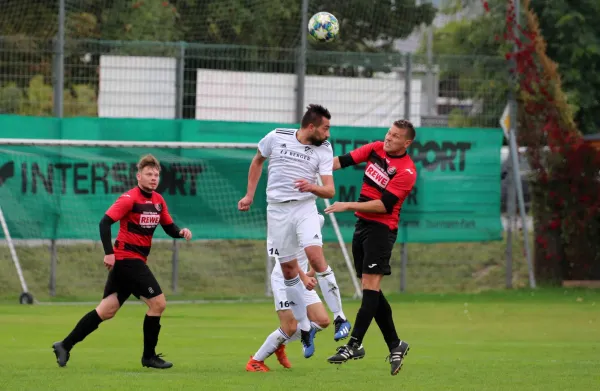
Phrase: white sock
pixel 331 292
pixel 270 345
pixel 294 289
pixel 296 335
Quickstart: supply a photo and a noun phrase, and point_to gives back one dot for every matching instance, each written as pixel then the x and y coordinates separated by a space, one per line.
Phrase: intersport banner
pixel 54 192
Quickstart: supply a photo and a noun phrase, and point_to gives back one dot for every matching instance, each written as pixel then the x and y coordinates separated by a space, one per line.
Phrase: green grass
pixel 519 340
pixel 234 269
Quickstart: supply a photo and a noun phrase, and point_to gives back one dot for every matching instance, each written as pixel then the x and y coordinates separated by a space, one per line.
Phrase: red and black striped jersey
pixel 138 213
pixel 386 177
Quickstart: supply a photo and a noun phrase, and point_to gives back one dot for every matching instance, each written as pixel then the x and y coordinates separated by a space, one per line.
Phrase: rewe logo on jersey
pixel 377 175
pixel 149 221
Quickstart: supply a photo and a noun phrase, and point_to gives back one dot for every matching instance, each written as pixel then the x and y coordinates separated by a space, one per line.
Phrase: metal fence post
pixel 511 207
pixel 179 81
pixel 301 63
pixel 407 85
pixel 53 262
pixel 403 265
pixel 59 62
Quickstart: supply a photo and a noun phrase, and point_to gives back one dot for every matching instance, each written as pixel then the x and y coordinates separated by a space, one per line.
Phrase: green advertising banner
pixel 55 192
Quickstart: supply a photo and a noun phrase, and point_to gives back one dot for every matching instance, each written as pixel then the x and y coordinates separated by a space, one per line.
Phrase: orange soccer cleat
pixel 282 357
pixel 256 366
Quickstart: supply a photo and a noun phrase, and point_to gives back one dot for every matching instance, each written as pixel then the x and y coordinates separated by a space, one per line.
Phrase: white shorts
pixel 291 227
pixel 280 296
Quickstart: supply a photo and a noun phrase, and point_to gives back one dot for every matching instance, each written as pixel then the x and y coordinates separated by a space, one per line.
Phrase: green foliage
pixel 37 99
pixel 572 34
pixel 365 26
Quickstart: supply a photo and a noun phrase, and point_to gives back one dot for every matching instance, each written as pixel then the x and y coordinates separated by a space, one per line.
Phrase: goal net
pixel 54 193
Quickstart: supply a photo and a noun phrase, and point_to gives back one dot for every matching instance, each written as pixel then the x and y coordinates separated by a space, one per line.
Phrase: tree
pixel 573 37
pixel 572 32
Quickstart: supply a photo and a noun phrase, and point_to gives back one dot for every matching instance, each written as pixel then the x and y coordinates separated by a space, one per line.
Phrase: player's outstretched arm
pixel 373 206
pixel 254 173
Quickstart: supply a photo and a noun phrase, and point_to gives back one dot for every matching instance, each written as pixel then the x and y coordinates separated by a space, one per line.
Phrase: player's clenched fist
pixel 109 261
pixel 186 234
pixel 244 203
pixel 310 283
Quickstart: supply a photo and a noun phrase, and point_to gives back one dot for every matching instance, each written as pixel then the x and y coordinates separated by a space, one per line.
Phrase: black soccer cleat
pixel 396 357
pixel 62 354
pixel 156 362
pixel 347 352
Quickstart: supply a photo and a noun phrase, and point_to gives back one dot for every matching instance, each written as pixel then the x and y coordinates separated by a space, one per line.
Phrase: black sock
pixel 151 330
pixel 84 327
pixel 366 312
pixel 385 321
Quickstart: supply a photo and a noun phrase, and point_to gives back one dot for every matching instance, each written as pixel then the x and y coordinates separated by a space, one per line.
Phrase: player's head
pixel 316 122
pixel 148 173
pixel 399 137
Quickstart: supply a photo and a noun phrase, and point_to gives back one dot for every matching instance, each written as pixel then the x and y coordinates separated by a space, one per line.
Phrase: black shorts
pixel 372 246
pixel 131 276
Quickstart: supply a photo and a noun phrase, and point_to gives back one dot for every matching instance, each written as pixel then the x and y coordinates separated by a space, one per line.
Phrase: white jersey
pixel 290 160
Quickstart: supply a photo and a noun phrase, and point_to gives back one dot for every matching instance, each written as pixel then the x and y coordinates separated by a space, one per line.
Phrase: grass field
pixel 234 269
pixel 512 340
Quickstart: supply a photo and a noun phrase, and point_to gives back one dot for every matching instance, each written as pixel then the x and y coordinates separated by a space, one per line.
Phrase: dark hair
pixel 314 115
pixel 406 124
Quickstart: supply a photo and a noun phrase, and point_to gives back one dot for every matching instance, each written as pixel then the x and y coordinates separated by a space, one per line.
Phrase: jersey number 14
pixel 273 251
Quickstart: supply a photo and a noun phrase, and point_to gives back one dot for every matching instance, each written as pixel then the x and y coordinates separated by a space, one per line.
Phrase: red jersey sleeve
pixel 361 155
pixel 402 183
pixel 165 216
pixel 121 207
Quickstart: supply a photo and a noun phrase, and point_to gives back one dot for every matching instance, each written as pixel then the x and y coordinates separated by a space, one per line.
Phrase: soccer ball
pixel 323 27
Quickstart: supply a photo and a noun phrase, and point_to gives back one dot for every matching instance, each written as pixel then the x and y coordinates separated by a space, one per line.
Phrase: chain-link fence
pixel 246 83
pixel 212 60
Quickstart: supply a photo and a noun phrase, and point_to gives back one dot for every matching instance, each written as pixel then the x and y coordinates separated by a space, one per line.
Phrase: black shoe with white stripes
pixel 344 353
pixel 397 356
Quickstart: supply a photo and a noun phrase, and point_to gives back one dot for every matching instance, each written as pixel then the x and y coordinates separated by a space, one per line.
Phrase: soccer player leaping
pixel 139 211
pixel 288 326
pixel 296 156
pixel 389 178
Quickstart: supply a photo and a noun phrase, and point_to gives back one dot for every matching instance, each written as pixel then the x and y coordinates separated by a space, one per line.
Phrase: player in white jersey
pixel 296 157
pixel 288 330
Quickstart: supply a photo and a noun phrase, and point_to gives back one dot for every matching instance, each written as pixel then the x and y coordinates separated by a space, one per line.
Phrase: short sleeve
pixel 121 207
pixel 361 154
pixel 326 163
pixel 265 145
pixel 402 183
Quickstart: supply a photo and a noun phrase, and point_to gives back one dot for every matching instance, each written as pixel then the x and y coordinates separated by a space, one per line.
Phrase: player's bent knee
pixel 158 304
pixel 371 281
pixel 318 314
pixel 316 258
pixel 108 307
pixel 323 321
pixel 290 269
